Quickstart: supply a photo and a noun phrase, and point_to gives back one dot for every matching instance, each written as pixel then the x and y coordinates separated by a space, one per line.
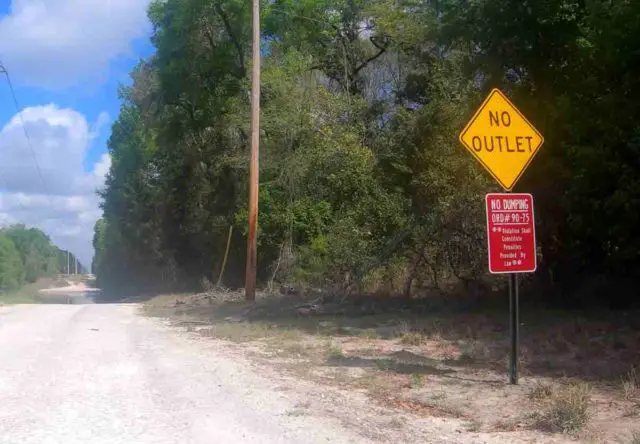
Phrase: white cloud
pixel 59 43
pixel 103 120
pixel 63 203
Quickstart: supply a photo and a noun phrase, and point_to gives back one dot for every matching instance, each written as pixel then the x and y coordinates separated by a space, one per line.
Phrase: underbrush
pixel 28 294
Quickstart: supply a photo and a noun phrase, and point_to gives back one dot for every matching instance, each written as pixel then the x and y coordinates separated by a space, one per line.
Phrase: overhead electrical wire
pixel 4 71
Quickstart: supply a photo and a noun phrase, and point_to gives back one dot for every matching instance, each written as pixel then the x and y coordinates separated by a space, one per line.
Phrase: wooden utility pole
pixel 252 250
pixel 68 271
pixel 76 264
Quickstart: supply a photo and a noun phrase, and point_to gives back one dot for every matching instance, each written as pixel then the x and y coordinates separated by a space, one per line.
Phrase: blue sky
pixel 66 59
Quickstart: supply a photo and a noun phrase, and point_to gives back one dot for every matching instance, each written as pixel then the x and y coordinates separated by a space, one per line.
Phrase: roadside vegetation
pixel 364 185
pixel 28 260
pixel 29 293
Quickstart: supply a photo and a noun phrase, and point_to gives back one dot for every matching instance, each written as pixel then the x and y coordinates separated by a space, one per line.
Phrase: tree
pixel 37 253
pixel 11 271
pixel 363 181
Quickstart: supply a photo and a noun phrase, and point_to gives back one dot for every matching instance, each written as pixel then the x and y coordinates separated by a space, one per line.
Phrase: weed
pixel 370 333
pixel 448 356
pixel 28 294
pixel 568 411
pixel 474 351
pixel 409 335
pixel 334 351
pixel 541 390
pixel 296 348
pixel 456 412
pixel 383 364
pixel 239 331
pixel 396 423
pixel 635 437
pixel 368 381
pixel 295 412
pixel 286 333
pixel 412 337
pixel 303 405
pixel 474 426
pixel 444 407
pixel 632 411
pixel 506 425
pixel 560 343
pixel 416 380
pixel 433 329
pixel 631 384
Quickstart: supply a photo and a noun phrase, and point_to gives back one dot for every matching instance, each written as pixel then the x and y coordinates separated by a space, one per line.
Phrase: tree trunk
pixel 408 282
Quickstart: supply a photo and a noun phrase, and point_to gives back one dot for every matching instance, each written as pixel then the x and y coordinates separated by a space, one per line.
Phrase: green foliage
pixel 37 253
pixel 26 254
pixel 360 168
pixel 11 268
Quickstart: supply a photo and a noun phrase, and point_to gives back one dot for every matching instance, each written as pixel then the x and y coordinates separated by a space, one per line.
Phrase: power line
pixel 4 71
pixel 24 128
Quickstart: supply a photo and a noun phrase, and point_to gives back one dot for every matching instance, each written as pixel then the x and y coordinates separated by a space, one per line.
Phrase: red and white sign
pixel 511 233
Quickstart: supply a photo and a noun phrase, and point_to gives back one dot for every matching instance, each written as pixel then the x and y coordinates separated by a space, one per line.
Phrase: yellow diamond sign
pixel 502 139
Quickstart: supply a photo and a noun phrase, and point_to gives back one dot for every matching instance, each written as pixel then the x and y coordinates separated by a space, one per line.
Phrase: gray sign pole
pixel 515 327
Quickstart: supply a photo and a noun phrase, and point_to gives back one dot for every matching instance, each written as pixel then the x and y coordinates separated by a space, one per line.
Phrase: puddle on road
pixel 74 298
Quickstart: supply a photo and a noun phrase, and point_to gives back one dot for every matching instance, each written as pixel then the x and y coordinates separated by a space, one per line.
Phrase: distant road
pixel 101 374
pixel 72 287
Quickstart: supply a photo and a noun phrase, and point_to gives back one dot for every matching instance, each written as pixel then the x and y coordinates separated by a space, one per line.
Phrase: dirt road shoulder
pixel 412 377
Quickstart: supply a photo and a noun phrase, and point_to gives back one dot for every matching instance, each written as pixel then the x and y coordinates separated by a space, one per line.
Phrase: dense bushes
pixel 27 254
pixel 363 182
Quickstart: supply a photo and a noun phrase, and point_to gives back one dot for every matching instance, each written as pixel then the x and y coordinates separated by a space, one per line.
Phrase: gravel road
pixel 95 374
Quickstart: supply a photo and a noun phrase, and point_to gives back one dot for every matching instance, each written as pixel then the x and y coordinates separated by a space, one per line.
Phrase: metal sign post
pixel 515 328
pixel 511 246
pixel 501 138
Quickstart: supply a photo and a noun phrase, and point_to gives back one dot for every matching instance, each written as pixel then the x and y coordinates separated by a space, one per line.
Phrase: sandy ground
pixel 102 374
pixel 430 376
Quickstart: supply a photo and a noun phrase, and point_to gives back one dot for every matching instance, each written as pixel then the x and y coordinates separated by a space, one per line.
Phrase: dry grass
pixel 631 384
pixel 334 351
pixel 632 411
pixel 569 410
pixel 416 380
pixel 396 423
pixel 474 351
pixel 506 425
pixel 240 332
pixel 443 408
pixel 28 294
pixel 473 426
pixel 409 335
pixel 541 391
pixel 300 409
pixel 441 365
pixel 295 349
pixel 412 338
pixel 634 438
pixel 369 333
